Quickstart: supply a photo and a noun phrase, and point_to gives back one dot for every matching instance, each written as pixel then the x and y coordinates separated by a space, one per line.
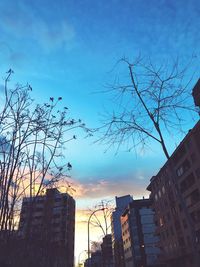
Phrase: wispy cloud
pixel 95 189
pixel 24 23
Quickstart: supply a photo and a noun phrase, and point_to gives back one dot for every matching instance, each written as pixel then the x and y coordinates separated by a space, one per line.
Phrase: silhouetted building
pixel 95 260
pixel 196 93
pixel 107 253
pixel 48 222
pixel 9 241
pixel 117 243
pixel 173 226
pixel 138 233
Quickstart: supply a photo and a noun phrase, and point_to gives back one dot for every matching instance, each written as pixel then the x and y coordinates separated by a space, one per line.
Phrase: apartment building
pixel 107 253
pixel 117 242
pixel 48 222
pixel 175 192
pixel 138 234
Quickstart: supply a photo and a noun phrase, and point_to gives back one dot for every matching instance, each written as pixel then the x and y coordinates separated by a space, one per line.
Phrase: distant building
pixel 117 243
pixel 95 260
pixel 102 257
pixel 107 253
pixel 177 204
pixel 48 222
pixel 138 233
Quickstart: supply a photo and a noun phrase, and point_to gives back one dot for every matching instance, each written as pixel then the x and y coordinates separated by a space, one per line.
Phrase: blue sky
pixel 69 48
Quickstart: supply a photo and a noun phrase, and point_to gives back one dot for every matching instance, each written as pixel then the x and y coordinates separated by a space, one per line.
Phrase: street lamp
pixel 89 232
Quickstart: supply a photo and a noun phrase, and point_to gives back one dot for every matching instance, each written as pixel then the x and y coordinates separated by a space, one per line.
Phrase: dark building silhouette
pixel 102 257
pixel 173 225
pixel 117 242
pixel 107 253
pixel 138 233
pixel 95 260
pixel 196 93
pixel 48 222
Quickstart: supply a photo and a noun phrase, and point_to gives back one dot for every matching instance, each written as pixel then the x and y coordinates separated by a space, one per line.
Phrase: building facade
pixel 95 260
pixel 107 252
pixel 175 192
pixel 138 233
pixel 117 242
pixel 48 222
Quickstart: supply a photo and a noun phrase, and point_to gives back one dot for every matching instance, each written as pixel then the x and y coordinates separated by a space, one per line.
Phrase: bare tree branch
pixel 150 105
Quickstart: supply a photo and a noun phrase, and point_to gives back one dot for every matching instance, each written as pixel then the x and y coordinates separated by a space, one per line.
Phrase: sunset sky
pixel 69 49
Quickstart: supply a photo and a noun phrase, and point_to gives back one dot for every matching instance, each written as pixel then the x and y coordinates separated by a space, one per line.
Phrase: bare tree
pixel 102 220
pixel 153 102
pixel 31 140
pixel 95 246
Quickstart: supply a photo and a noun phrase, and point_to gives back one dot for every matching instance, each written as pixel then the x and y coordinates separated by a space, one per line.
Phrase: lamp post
pixel 89 233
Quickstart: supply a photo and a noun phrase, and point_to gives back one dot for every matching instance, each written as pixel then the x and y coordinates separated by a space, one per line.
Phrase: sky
pixel 70 49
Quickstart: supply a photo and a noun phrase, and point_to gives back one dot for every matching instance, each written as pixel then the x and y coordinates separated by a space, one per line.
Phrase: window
pixel 198 236
pixel 183 168
pixel 195 216
pixel 193 198
pixel 161 221
pixel 179 171
pixel 174 210
pixel 187 182
pixel 163 189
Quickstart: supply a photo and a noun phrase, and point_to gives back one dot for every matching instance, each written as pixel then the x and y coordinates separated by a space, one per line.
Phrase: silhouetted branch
pixel 150 105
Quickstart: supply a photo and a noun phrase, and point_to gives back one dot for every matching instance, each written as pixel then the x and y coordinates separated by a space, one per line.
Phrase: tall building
pixel 117 243
pixel 138 233
pixel 107 253
pixel 177 203
pixel 48 223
